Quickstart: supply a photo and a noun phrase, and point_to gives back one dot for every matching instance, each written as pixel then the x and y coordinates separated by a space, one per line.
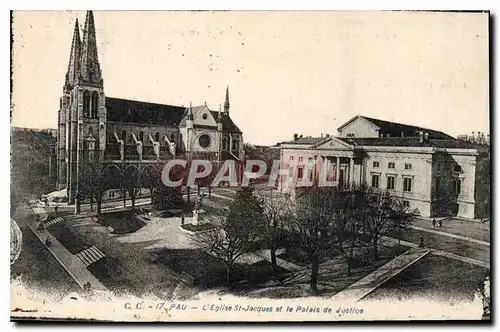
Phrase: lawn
pixel 198 228
pixel 123 222
pixel 108 271
pixel 68 237
pixel 208 271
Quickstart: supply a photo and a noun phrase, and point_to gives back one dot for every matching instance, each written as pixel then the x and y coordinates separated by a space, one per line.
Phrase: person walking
pixel 440 223
pixel 433 222
pixel 421 243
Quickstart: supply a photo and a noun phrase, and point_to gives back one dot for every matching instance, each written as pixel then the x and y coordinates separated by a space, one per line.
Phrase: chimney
pixel 327 135
pixel 421 136
pixel 295 136
pixel 321 135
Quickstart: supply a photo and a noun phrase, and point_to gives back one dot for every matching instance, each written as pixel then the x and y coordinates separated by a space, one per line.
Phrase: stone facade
pixel 435 176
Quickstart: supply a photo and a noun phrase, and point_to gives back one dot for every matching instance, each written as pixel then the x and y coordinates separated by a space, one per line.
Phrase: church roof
pixel 133 111
pixel 124 110
pixel 227 123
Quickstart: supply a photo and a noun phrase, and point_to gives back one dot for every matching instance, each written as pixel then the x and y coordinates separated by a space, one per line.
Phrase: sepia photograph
pixel 250 166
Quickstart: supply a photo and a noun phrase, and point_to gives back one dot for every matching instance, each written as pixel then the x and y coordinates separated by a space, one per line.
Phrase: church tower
pixel 82 116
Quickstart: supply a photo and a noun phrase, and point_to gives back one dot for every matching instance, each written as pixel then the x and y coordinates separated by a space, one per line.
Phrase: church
pixel 121 132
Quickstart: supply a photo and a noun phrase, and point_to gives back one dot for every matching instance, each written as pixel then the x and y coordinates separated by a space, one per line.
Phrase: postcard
pixel 250 166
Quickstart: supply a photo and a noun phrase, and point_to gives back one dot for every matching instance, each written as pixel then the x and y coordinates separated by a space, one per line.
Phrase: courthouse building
pixel 128 132
pixel 430 170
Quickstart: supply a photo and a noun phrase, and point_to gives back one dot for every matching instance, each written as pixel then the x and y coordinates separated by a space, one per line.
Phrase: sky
pixel 288 72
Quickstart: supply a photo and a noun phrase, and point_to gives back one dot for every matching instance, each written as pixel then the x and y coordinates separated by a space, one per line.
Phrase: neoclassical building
pixel 125 132
pixel 431 171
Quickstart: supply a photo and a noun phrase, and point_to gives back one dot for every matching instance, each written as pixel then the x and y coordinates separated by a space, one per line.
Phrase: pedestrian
pixel 433 222
pixel 56 208
pixel 421 243
pixel 440 223
pixel 48 242
pixel 182 220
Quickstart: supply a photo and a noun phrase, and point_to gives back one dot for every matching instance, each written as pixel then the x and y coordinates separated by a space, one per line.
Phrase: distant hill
pixel 32 156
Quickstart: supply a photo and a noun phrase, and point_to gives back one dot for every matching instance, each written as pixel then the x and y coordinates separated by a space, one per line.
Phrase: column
pixel 337 170
pixel 351 171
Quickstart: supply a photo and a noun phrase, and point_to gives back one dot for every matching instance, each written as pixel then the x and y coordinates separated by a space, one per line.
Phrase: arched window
pixel 86 104
pixel 94 104
pixel 236 145
pixel 157 137
pixel 141 136
pixel 224 143
pixel 124 136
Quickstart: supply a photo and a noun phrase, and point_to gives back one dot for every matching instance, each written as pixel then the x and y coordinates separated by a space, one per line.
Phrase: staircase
pixel 53 221
pixel 90 255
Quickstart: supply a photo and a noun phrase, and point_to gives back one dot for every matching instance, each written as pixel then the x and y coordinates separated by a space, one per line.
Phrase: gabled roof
pixel 123 110
pixel 227 123
pixel 396 128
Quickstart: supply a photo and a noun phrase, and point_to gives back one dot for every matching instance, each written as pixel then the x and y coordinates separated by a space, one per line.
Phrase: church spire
pixel 90 70
pixel 226 102
pixel 74 58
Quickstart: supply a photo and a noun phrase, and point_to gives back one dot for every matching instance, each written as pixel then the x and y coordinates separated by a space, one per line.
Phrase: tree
pixel 93 183
pixel 228 240
pixel 235 231
pixel 277 209
pixel 381 214
pixel 131 183
pixel 314 225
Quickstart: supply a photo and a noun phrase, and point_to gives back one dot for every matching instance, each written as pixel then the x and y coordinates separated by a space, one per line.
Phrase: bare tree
pixel 131 184
pixel 93 183
pixel 381 214
pixel 228 240
pixel 277 209
pixel 314 226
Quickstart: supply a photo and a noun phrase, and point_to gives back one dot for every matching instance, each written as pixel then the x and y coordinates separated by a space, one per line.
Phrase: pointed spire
pixel 190 112
pixel 226 102
pixel 74 58
pixel 90 70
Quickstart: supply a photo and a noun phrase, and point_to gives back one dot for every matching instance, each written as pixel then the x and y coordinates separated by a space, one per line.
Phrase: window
pixel 391 165
pixel 300 159
pixel 438 184
pixel 350 135
pixel 124 136
pixel 390 182
pixel 376 164
pixel 172 138
pixel 406 204
pixel 407 184
pixel 86 104
pixel 300 173
pixel 457 186
pixel 236 146
pixel 457 169
pixel 224 143
pixel 204 141
pixel 291 158
pixel 407 166
pixel 204 116
pixel 94 102
pixel 141 136
pixel 157 137
pixel 375 178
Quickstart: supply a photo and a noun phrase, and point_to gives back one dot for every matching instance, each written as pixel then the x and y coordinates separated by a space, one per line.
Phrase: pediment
pixel 333 144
